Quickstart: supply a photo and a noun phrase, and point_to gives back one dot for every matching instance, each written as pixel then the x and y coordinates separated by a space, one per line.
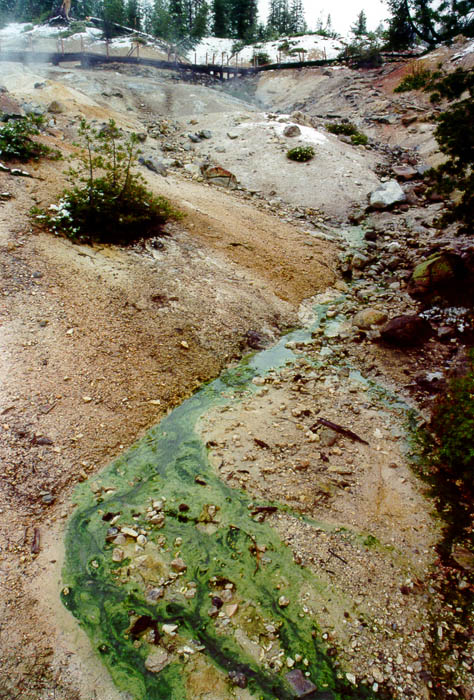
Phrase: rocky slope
pixel 99 342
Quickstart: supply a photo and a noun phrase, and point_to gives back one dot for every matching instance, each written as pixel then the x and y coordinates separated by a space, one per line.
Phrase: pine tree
pixel 113 12
pixel 7 11
pixel 359 29
pixel 133 14
pixel 297 19
pixel 200 21
pixel 159 22
pixel 221 18
pixel 279 18
pixel 177 21
pixel 243 19
pixel 430 21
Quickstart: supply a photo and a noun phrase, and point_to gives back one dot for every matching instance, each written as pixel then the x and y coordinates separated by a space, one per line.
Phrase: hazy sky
pixel 343 12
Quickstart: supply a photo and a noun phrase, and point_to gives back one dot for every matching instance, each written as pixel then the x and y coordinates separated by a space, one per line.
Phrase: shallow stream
pixel 175 575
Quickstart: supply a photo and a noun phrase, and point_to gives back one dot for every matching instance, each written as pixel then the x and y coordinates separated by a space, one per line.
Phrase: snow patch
pixel 466 50
pixel 315 48
pixel 308 134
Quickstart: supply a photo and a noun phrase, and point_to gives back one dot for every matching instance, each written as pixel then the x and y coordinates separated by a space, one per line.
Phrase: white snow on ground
pixel 308 134
pixel 466 50
pixel 214 50
pixel 315 47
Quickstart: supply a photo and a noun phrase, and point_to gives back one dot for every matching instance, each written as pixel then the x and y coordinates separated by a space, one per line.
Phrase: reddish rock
pixel 405 331
pixel 404 172
pixel 218 175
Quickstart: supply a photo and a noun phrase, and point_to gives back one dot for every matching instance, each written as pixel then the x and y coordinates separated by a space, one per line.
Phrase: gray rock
pixel 205 134
pixel 291 131
pixel 388 194
pixel 154 165
pixel 300 685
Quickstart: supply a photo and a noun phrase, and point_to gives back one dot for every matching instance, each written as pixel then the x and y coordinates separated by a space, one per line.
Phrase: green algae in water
pixel 210 527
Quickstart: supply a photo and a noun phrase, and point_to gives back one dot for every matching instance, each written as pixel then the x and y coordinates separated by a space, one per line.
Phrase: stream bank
pixel 283 556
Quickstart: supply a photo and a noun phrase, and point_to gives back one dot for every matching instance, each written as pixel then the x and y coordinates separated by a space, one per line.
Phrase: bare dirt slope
pixel 98 343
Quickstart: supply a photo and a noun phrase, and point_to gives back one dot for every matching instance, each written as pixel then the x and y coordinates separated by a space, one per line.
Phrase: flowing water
pixel 158 539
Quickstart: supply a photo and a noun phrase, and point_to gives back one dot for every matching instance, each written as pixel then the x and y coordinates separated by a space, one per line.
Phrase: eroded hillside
pixel 100 342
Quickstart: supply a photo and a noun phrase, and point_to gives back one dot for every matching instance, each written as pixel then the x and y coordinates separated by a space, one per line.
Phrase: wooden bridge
pixel 87 59
pixel 222 71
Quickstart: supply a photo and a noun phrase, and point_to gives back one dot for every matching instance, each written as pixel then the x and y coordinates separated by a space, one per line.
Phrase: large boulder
pixel 438 275
pixel 386 195
pixel 406 331
pixel 217 175
pixel 366 318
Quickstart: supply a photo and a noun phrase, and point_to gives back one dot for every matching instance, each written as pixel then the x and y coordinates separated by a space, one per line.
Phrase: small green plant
pixel 76 27
pixel 301 153
pixel 452 426
pixel 262 58
pixel 348 129
pixel 416 79
pixel 17 143
pixel 455 177
pixel 359 139
pixel 107 202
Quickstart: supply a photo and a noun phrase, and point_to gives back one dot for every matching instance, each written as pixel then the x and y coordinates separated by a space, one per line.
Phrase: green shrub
pixel 455 136
pixel 76 27
pixel 107 202
pixel 16 142
pixel 348 129
pixel 417 78
pixel 345 128
pixel 301 153
pixel 262 58
pixel 359 139
pixel 452 426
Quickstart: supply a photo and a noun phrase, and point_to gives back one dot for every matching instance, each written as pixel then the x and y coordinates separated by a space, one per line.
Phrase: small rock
pixel 239 679
pixel 118 554
pixel 463 556
pixel 155 594
pixel 404 172
pixel 291 131
pixel 178 565
pixel 157 660
pixel 230 610
pixel 169 629
pixel 283 601
pixel 154 165
pixel 129 532
pixel 56 107
pixel 300 685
